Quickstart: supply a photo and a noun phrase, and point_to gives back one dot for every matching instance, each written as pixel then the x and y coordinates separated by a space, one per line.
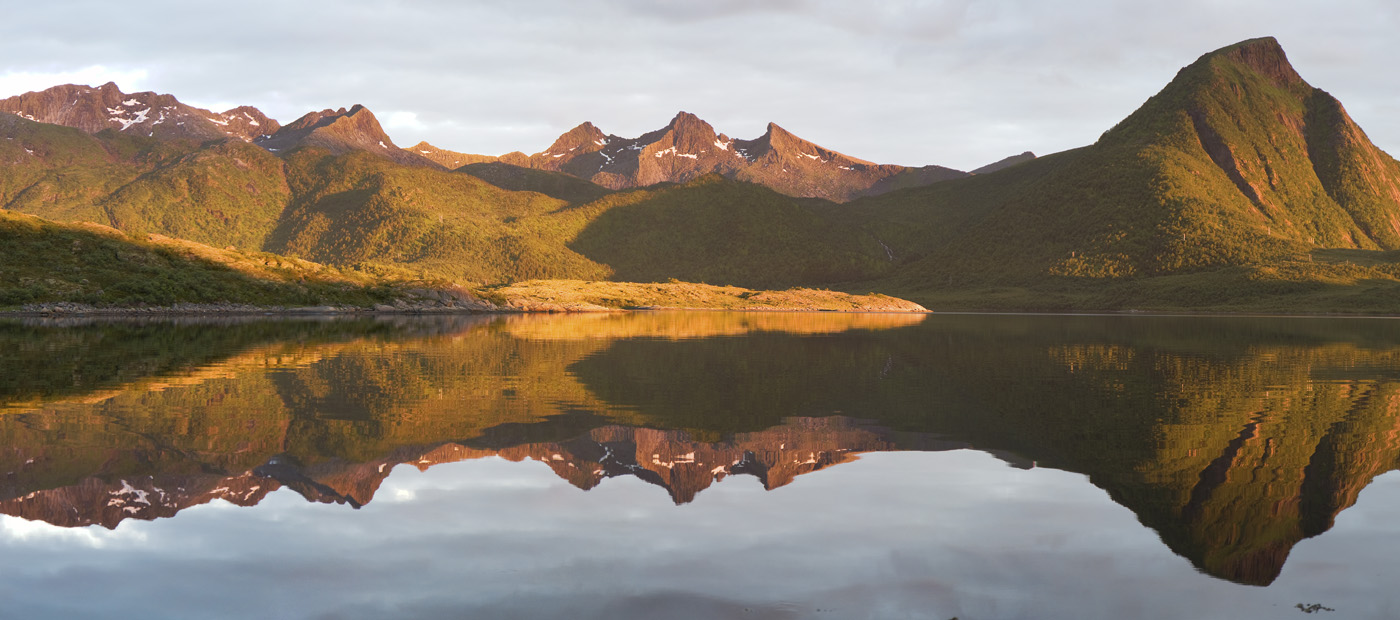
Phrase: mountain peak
pixel 685 118
pixel 585 138
pixel 689 132
pixel 1265 56
pixel 340 131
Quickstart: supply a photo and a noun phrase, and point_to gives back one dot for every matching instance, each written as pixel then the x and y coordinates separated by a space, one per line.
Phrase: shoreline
pixel 242 311
pixel 218 310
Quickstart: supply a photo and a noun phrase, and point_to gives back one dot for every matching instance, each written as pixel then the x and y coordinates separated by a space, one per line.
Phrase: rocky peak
pixel 585 138
pixel 1265 56
pixel 688 148
pixel 689 134
pixel 342 131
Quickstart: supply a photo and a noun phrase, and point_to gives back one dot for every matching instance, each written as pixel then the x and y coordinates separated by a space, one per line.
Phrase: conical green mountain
pixel 1238 161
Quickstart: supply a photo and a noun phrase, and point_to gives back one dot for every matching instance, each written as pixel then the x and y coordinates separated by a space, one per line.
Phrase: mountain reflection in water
pixel 1232 438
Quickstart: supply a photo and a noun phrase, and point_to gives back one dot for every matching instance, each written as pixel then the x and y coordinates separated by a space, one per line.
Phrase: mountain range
pixel 1239 186
pixel 684 149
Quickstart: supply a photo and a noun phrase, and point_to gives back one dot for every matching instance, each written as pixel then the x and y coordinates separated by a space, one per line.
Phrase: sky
pixel 891 535
pixel 958 83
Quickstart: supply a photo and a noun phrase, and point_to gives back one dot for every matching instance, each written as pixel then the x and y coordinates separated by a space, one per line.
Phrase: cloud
pixel 23 81
pixel 953 82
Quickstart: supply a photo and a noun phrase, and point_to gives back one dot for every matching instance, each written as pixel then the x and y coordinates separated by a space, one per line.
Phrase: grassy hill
pixel 49 262
pixel 356 208
pixel 1235 175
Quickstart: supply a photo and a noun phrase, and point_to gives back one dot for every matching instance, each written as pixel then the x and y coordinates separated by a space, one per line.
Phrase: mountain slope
pixel 355 207
pixel 559 185
pixel 1237 162
pixel 719 231
pixel 48 261
pixel 1004 163
pixel 148 114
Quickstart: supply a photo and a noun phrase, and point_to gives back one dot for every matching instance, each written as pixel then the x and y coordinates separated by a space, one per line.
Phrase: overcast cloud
pixel 953 82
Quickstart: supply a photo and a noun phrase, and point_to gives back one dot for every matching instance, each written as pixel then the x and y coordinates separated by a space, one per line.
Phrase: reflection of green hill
pixel 1232 448
pixel 1232 438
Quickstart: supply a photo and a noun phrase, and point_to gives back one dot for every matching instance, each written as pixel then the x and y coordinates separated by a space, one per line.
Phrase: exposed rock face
pixel 688 147
pixel 148 114
pixel 342 131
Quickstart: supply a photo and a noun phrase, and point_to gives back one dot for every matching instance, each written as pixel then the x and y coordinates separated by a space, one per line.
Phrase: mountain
pixel 342 131
pixel 1237 167
pixel 1237 187
pixel 490 223
pixel 148 114
pixel 688 147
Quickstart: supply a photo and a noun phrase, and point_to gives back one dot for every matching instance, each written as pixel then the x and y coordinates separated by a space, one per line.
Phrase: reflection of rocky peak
pixel 684 467
pixel 669 459
pixel 107 503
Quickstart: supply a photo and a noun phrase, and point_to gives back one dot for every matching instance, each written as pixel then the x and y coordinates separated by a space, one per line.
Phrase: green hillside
pixel 51 262
pixel 356 208
pixel 1236 174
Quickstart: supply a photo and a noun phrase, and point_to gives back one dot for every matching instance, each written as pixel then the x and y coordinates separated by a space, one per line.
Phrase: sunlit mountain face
pixel 1232 439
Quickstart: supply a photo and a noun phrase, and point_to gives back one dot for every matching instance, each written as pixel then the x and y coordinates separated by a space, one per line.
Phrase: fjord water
pixel 678 465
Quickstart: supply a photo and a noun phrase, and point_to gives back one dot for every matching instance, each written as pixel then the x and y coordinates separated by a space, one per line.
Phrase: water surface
pixel 762 465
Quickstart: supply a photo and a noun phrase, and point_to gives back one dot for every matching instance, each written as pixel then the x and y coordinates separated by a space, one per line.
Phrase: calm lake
pixel 701 465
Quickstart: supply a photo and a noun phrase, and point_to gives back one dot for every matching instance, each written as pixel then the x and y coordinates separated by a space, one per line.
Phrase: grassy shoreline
pixel 534 296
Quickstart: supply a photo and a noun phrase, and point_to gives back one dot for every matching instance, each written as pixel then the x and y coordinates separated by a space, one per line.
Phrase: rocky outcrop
pixel 146 113
pixel 342 131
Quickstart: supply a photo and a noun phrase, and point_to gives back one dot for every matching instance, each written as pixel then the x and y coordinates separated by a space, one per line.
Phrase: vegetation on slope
pixel 718 231
pixel 355 208
pixel 566 187
pixel 89 264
